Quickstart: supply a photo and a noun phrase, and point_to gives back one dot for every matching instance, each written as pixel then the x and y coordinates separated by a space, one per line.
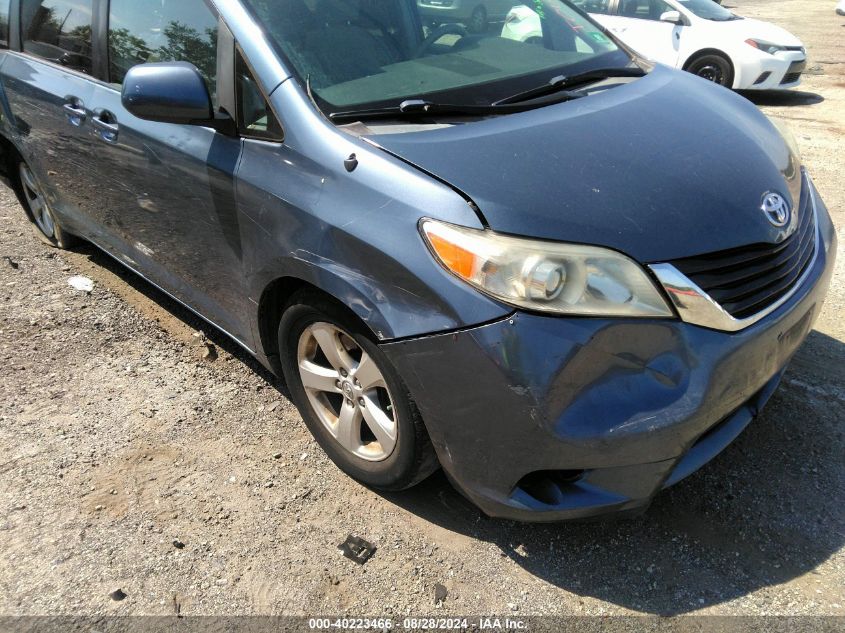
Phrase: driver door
pixel 637 23
pixel 166 202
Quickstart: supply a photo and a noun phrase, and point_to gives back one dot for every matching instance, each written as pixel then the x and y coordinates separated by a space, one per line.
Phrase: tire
pixel 37 208
pixel 478 22
pixel 713 67
pixel 378 461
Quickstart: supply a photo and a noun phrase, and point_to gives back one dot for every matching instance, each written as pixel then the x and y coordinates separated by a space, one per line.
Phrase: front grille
pixel 747 280
pixel 793 73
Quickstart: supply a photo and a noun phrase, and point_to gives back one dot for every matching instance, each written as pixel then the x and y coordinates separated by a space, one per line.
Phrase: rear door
pixel 168 191
pixel 637 23
pixel 49 88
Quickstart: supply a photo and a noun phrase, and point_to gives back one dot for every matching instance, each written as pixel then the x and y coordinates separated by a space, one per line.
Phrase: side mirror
pixel 673 17
pixel 171 92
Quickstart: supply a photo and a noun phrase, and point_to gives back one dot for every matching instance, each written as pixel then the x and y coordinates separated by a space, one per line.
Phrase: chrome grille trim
pixel 695 306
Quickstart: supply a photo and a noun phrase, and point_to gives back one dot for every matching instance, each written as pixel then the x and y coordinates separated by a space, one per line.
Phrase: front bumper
pixel 545 419
pixel 771 72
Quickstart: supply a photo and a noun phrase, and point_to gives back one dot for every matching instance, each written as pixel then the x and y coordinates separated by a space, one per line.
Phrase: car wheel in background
pixel 38 209
pixel 713 67
pixel 478 20
pixel 351 398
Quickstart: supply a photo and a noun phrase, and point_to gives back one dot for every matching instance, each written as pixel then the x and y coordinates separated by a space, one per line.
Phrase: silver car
pixel 475 14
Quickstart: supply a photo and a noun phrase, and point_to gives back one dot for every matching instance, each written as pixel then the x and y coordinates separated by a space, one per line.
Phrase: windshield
pixel 359 54
pixel 708 10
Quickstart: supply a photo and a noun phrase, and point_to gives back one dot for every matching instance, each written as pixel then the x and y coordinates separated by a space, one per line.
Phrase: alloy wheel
pixel 37 203
pixel 711 72
pixel 347 392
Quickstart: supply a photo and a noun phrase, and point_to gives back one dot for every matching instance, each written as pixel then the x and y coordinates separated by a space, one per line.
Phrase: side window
pixel 255 117
pixel 658 8
pixel 643 9
pixel 143 31
pixel 597 6
pixel 4 23
pixel 59 31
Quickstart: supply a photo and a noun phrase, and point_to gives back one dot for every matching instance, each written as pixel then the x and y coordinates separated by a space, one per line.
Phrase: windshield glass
pixel 359 54
pixel 708 10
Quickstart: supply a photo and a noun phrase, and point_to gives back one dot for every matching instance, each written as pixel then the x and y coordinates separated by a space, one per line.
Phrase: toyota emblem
pixel 776 209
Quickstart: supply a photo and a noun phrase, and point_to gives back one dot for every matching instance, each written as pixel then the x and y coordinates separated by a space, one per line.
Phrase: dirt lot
pixel 119 439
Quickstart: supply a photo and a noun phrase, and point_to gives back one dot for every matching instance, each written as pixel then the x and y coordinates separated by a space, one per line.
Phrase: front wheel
pixel 713 67
pixel 350 396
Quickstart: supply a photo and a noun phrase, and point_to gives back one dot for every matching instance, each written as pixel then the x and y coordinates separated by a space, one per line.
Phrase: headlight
pixel 766 47
pixel 546 276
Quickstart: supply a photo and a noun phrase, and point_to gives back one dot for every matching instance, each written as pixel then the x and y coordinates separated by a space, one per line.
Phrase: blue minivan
pixel 564 274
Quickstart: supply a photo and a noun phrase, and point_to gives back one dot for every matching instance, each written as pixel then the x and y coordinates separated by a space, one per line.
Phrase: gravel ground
pixel 131 462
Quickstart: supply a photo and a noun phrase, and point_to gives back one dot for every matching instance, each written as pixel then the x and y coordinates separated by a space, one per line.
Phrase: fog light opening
pixel 549 486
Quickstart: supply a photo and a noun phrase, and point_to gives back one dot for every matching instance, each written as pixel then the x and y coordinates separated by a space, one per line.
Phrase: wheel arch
pixel 394 300
pixel 10 155
pixel 271 306
pixel 276 294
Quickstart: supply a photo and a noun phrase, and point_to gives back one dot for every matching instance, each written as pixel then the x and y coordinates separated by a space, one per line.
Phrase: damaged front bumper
pixel 545 419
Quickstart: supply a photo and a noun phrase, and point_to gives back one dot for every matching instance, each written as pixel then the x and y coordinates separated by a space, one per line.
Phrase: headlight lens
pixel 546 276
pixel 766 47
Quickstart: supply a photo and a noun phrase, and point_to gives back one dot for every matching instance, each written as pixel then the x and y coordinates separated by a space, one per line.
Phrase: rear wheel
pixel 350 396
pixel 38 209
pixel 713 67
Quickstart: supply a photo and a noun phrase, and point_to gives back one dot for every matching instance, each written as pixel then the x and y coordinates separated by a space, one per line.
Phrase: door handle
pixel 106 126
pixel 75 112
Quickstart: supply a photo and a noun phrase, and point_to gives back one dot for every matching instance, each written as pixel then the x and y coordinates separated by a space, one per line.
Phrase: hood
pixel 664 167
pixel 759 30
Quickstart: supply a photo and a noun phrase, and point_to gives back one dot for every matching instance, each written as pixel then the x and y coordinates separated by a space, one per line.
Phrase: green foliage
pixel 184 44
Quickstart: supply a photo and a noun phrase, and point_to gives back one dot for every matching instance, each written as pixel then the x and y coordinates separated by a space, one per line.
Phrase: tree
pixel 187 44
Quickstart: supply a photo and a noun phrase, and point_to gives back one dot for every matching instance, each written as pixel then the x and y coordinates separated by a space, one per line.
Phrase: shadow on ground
pixel 180 312
pixel 785 98
pixel 766 511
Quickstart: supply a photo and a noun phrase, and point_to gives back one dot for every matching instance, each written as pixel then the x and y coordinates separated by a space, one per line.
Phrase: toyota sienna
pixel 565 275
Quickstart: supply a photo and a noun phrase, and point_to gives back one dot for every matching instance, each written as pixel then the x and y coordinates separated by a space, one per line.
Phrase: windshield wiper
pixel 421 107
pixel 560 83
pixel 555 89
